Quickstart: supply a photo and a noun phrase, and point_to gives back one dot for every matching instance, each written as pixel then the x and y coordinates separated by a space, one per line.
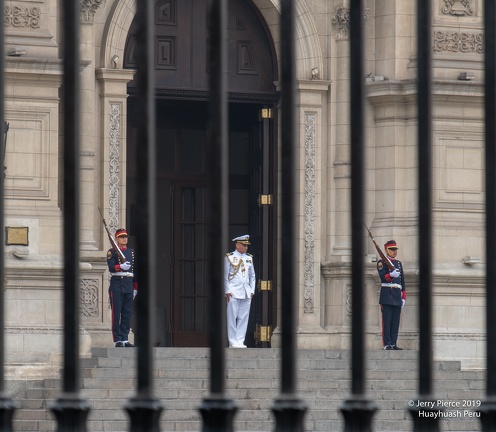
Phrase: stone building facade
pixel 34 178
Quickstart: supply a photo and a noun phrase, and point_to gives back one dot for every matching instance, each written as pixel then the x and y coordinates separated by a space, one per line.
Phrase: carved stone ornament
pixel 348 300
pixel 89 8
pixel 17 16
pixel 458 7
pixel 114 164
pixel 341 22
pixel 458 42
pixel 309 278
pixel 89 298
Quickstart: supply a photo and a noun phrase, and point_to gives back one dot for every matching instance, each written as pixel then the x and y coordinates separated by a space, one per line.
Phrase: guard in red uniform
pixel 123 288
pixel 392 296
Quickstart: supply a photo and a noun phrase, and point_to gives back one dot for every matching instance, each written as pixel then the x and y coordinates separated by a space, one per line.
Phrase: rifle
pixel 118 251
pixel 379 251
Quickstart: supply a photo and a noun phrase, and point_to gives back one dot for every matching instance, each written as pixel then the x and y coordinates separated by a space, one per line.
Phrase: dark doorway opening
pixel 182 302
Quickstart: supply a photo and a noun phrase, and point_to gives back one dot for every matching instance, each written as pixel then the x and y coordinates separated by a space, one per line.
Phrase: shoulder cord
pixel 235 269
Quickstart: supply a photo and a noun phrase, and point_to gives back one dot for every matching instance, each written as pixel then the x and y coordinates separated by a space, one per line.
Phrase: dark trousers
pixel 390 324
pixel 122 310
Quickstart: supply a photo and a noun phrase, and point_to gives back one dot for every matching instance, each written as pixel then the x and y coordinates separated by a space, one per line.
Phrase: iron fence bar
pixel 357 409
pixel 424 114
pixel 7 405
pixel 424 149
pixel 143 409
pixel 288 409
pixel 217 411
pixel 488 407
pixel 70 410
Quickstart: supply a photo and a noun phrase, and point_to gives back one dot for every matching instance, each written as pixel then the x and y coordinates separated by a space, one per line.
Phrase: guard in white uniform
pixel 239 284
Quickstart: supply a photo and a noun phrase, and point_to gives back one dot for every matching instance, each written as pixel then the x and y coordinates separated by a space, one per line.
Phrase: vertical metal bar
pixel 144 410
pixel 7 405
pixel 70 410
pixel 424 148
pixel 288 409
pixel 357 410
pixel 217 411
pixel 425 195
pixel 71 197
pixel 488 408
pixel 218 192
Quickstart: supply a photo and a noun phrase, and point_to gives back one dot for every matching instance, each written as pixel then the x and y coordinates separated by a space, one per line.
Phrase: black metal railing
pixel 7 405
pixel 69 408
pixel 488 407
pixel 218 410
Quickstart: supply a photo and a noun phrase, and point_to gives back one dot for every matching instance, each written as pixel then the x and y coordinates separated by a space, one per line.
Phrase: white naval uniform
pixel 239 280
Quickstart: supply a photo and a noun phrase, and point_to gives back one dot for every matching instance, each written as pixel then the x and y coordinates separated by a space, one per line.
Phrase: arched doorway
pixel 181 68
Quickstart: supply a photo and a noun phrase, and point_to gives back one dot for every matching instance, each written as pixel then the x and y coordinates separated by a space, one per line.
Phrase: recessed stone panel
pixel 166 52
pixel 245 58
pixel 458 169
pixel 28 155
pixel 166 12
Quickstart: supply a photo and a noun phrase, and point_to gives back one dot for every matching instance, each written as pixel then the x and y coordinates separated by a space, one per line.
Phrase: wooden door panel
pixel 190 285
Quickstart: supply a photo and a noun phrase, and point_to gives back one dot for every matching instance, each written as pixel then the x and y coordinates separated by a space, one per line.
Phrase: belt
pixel 391 285
pixel 124 274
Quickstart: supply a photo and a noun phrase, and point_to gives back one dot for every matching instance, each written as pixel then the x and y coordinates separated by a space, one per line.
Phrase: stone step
pixel 108 381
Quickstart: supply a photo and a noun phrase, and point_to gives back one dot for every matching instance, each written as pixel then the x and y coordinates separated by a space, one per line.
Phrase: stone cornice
pixel 115 75
pixel 45 68
pixel 380 92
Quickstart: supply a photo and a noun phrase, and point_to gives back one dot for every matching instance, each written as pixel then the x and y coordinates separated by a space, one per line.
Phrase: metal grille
pixel 217 410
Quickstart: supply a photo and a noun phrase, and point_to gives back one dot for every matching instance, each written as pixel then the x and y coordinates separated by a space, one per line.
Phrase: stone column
pixel 89 145
pixel 312 112
pixel 113 84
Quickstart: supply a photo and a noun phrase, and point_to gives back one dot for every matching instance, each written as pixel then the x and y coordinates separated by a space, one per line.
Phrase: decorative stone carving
pixel 114 164
pixel 458 7
pixel 89 298
pixel 89 8
pixel 17 16
pixel 341 22
pixel 309 278
pixel 458 42
pixel 348 300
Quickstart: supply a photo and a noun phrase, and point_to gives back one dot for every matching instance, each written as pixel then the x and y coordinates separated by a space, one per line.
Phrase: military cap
pixel 244 239
pixel 121 232
pixel 391 244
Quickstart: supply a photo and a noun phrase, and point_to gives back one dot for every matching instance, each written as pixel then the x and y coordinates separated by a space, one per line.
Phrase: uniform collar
pixel 238 253
pixel 123 248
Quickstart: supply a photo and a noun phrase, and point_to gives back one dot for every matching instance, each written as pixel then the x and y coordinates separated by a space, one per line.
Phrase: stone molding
pixel 309 278
pixel 309 49
pixel 40 330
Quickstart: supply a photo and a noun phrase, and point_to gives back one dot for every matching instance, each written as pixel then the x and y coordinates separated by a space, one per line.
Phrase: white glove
pixel 136 292
pixel 403 301
pixel 125 266
pixel 394 274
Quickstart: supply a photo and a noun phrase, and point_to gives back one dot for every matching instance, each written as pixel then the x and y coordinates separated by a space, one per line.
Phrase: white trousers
pixel 238 312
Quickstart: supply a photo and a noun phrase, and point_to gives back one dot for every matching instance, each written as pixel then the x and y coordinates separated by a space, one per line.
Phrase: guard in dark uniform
pixel 392 297
pixel 123 288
